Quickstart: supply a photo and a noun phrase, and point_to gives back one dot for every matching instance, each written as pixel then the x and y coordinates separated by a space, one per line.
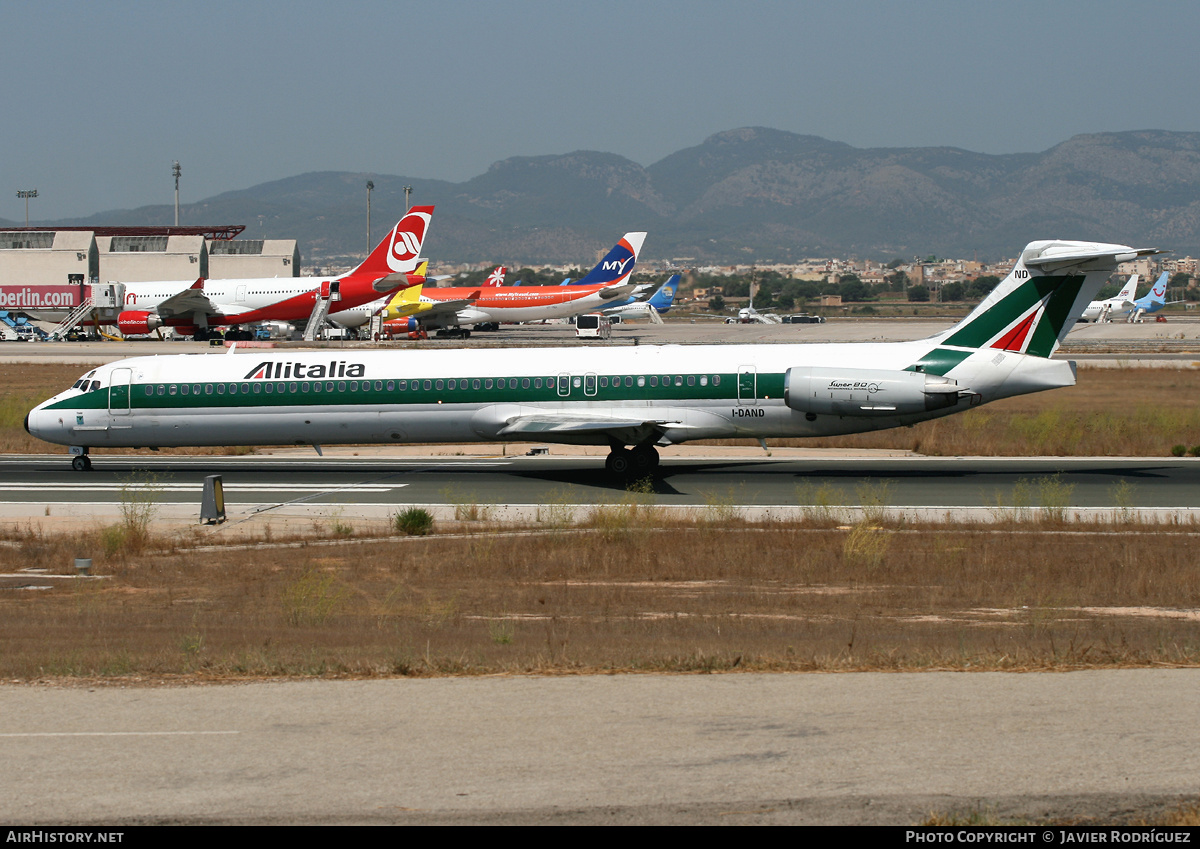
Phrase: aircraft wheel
pixel 645 459
pixel 619 462
pixel 81 463
pixel 466 334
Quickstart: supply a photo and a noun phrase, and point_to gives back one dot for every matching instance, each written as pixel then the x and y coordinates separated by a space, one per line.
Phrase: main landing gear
pixel 636 462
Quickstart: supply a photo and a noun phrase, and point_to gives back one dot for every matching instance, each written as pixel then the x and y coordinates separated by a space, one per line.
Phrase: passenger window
pixel 654 380
pixel 220 388
pixel 641 380
pixel 174 389
pixel 629 380
pixel 438 385
pixel 691 380
pixel 704 380
pixel 257 388
pixel 341 386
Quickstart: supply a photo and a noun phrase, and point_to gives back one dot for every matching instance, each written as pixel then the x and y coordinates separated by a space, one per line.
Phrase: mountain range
pixel 745 195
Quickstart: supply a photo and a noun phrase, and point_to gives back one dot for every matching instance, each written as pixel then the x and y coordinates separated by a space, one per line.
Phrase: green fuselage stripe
pixel 337 393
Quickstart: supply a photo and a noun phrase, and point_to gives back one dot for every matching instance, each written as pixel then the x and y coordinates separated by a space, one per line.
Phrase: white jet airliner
pixel 643 396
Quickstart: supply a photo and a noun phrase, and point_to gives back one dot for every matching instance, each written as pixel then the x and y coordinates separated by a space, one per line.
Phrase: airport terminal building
pixel 41 268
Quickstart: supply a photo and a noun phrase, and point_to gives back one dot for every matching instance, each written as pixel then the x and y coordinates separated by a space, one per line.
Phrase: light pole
pixel 31 193
pixel 370 188
pixel 407 192
pixel 176 171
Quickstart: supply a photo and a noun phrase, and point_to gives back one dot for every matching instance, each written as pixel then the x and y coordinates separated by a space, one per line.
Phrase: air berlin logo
pixel 406 241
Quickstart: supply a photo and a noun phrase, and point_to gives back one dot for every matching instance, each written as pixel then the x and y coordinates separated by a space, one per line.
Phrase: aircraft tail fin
pixel 496 278
pixel 618 265
pixel 1031 310
pixel 403 303
pixel 400 250
pixel 1129 290
pixel 1158 292
pixel 665 296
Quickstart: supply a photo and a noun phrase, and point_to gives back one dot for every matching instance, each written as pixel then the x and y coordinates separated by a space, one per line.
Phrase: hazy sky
pixel 99 97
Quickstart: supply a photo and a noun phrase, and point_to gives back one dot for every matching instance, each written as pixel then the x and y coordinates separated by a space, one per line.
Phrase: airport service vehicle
pixel 593 325
pixel 643 396
pixel 193 309
pixel 453 309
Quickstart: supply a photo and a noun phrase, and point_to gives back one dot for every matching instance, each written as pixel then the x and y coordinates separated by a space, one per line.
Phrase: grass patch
pixel 633 592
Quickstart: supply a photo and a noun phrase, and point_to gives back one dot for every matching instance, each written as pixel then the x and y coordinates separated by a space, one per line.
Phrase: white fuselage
pixel 568 395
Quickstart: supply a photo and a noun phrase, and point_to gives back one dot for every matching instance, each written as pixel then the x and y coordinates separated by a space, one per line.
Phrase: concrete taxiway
pixel 631 749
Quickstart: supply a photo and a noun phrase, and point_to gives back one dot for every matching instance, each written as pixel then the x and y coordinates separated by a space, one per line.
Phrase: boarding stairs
pixel 316 321
pixel 73 320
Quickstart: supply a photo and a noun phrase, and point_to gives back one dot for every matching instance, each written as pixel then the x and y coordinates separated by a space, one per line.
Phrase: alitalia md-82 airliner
pixel 631 399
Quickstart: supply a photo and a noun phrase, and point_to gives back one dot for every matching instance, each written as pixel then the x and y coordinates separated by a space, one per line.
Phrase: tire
pixel 81 463
pixel 645 459
pixel 619 463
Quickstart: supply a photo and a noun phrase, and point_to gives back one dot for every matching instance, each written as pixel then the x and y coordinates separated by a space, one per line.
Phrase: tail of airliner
pixel 616 268
pixel 400 251
pixel 1032 309
pixel 496 278
pixel 1129 290
pixel 665 296
pixel 1155 298
pixel 404 303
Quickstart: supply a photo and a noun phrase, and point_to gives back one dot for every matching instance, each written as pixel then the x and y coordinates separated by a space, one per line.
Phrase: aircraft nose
pixel 27 424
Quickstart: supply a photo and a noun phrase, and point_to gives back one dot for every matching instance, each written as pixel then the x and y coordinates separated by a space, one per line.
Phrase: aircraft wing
pixel 548 425
pixel 188 302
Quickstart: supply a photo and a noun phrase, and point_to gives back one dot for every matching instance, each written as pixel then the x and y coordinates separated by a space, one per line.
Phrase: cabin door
pixel 118 391
pixel 747 385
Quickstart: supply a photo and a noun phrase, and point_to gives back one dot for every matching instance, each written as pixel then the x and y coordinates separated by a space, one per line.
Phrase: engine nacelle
pixel 137 322
pixel 867 392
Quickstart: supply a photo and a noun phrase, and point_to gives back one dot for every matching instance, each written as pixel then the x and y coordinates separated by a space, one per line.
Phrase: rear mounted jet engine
pixel 867 392
pixel 137 322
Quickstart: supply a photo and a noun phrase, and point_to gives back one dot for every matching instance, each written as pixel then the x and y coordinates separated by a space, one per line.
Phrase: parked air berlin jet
pixel 193 309
pixel 455 308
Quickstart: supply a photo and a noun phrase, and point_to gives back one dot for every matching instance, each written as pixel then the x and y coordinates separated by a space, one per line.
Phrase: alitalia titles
pixel 268 370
